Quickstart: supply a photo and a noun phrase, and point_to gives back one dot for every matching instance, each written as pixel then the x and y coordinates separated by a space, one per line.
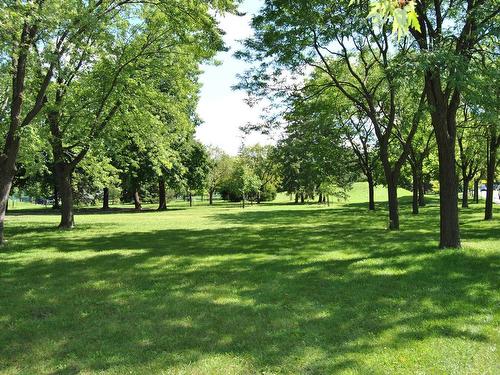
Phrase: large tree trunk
pixel 448 196
pixel 64 172
pixel 56 204
pixel 490 175
pixel 392 194
pixel 137 200
pixel 476 191
pixel 162 206
pixel 371 192
pixel 415 189
pixel 443 116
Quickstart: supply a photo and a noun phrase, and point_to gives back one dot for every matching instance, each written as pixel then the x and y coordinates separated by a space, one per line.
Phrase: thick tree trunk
pixel 371 193
pixel 64 172
pixel 392 194
pixel 162 194
pixel 211 197
pixel 56 204
pixel 443 116
pixel 465 193
pixel 448 196
pixel 415 189
pixel 490 176
pixel 137 200
pixel 476 191
pixel 105 199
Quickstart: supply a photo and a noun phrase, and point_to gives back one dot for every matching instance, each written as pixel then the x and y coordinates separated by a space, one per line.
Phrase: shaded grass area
pixel 271 289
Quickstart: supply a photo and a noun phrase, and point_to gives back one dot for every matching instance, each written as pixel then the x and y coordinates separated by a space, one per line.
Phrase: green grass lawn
pixel 272 289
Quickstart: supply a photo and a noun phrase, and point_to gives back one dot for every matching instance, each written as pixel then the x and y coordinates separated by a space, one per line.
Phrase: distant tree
pixel 220 165
pixel 197 168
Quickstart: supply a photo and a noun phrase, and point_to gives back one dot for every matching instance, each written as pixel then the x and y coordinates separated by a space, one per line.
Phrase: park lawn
pixel 272 289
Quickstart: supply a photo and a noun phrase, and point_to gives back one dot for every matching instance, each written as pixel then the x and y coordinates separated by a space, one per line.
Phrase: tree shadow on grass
pixel 269 293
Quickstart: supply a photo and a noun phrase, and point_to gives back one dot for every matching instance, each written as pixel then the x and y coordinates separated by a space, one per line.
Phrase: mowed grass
pixel 272 289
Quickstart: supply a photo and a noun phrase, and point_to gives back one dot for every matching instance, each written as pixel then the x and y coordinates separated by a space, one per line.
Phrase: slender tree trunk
pixel 211 197
pixel 105 199
pixel 415 189
pixel 421 192
pixel 320 200
pixel 476 191
pixel 6 179
pixel 371 192
pixel 296 198
pixel 162 206
pixel 190 199
pixel 392 193
pixel 465 193
pixel 302 198
pixel 490 175
pixel 137 200
pixel 64 173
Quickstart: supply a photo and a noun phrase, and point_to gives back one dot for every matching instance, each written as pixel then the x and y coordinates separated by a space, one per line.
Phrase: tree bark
pixel 302 198
pixel 490 174
pixel 6 178
pixel 371 192
pixel 56 204
pixel 296 198
pixel 137 200
pixel 465 193
pixel 443 118
pixel 64 172
pixel 320 199
pixel 162 194
pixel 211 197
pixel 476 191
pixel 415 189
pixel 421 193
pixel 105 199
pixel 392 193
pixel 190 199
pixel 448 196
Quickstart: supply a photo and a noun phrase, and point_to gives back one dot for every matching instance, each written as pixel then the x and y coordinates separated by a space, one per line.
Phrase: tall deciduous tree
pixel 450 33
pixel 38 37
pixel 357 61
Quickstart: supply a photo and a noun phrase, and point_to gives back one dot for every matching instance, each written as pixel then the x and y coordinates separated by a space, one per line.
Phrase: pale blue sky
pixel 223 110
